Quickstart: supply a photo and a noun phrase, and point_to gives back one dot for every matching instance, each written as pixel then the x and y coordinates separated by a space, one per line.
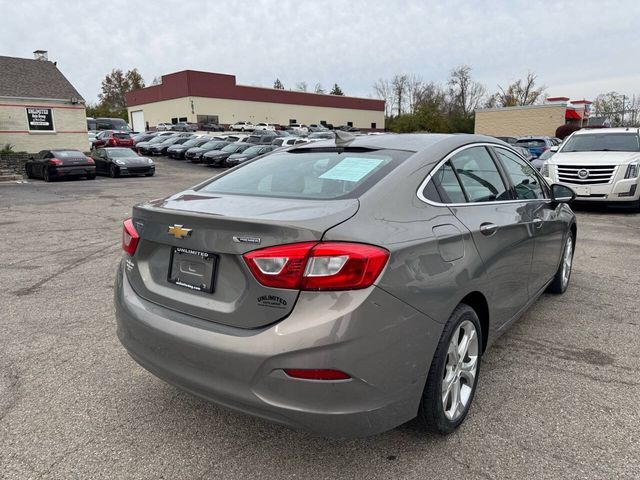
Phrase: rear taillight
pixel 54 161
pixel 130 237
pixel 90 160
pixel 112 141
pixel 318 266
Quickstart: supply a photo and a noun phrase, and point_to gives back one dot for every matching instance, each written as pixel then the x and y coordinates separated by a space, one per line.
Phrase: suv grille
pixel 586 174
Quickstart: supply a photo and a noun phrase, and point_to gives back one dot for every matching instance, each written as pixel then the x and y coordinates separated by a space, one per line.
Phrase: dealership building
pixel 39 108
pixel 202 97
pixel 532 119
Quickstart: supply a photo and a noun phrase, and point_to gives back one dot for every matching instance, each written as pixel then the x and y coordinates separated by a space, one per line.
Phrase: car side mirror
pixel 562 193
pixel 554 148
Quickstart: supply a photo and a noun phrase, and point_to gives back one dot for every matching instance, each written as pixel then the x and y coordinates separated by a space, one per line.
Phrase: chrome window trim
pixel 467 204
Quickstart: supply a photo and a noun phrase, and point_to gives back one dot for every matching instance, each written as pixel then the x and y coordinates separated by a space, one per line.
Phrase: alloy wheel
pixel 567 260
pixel 460 369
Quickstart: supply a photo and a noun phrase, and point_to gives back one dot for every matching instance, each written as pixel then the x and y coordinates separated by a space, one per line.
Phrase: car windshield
pixel 67 153
pixel 231 148
pixel 252 150
pixel 214 144
pixel 159 139
pixel 531 142
pixel 309 174
pixel 602 142
pixel 121 152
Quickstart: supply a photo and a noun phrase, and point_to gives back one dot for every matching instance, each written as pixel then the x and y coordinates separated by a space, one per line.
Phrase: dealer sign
pixel 40 119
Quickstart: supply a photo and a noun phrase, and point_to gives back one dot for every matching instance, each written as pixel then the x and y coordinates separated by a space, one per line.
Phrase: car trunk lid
pixel 222 227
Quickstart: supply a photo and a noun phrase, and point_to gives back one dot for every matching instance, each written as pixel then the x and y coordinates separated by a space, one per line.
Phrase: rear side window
pixel 526 182
pixel 479 175
pixel 532 143
pixel 309 174
pixel 444 186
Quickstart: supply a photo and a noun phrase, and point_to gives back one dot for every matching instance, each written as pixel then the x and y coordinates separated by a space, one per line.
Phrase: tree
pixel 318 88
pixel 156 81
pixel 336 90
pixel 465 94
pixel 610 105
pixel 278 84
pixel 384 91
pixel 399 86
pixel 519 93
pixel 414 88
pixel 114 87
pixel 302 86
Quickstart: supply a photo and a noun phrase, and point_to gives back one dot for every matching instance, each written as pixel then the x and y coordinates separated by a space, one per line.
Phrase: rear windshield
pixel 309 174
pixel 123 136
pixel 68 153
pixel 602 142
pixel 215 144
pixel 531 143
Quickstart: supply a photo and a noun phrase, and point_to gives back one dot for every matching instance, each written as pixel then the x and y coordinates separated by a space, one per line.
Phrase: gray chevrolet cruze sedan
pixel 347 286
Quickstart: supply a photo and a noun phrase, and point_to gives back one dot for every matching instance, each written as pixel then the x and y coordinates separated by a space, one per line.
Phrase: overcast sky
pixel 577 49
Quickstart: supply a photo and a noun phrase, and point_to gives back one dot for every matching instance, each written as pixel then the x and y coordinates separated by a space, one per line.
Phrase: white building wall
pixel 70 122
pixel 232 111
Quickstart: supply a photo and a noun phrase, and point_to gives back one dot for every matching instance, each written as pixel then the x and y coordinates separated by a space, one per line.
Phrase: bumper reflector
pixel 316 374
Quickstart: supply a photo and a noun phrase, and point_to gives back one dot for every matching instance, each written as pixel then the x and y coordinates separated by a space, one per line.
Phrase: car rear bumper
pixel 384 344
pixel 72 171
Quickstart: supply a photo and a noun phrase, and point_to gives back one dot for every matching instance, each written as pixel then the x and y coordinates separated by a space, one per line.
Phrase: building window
pixel 182 119
pixel 174 120
pixel 292 120
pixel 373 125
pixel 349 124
pixel 323 122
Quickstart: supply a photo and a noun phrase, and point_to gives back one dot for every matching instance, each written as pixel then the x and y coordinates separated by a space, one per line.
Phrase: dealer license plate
pixel 193 269
pixel 582 191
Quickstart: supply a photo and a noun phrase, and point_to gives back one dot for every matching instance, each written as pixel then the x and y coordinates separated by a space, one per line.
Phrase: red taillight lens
pixel 54 161
pixel 90 160
pixel 318 266
pixel 130 237
pixel 112 141
pixel 316 374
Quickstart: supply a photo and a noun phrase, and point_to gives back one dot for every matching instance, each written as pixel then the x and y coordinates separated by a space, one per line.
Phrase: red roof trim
pixel 581 102
pixel 216 85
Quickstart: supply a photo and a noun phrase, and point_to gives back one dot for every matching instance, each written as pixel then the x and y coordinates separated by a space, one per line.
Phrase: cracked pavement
pixel 557 396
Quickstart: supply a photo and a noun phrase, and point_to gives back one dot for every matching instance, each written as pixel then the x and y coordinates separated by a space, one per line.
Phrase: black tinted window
pixel 444 186
pixel 526 182
pixel 479 175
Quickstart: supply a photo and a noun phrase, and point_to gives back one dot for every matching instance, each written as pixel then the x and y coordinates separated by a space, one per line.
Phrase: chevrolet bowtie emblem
pixel 179 232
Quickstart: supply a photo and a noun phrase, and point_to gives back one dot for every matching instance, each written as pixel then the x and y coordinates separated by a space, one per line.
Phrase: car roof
pixel 608 130
pixel 411 142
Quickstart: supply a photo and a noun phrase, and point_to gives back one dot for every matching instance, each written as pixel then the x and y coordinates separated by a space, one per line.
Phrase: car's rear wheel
pixel 453 376
pixel 113 171
pixel 29 171
pixel 563 275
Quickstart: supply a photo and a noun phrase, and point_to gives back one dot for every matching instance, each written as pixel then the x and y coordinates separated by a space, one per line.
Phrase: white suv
pixel 265 126
pixel 243 126
pixel 600 165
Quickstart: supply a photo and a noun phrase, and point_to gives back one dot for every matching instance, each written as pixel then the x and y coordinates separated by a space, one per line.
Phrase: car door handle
pixel 537 222
pixel 488 229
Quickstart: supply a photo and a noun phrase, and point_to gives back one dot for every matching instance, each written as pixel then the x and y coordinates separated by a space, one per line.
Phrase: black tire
pixel 560 280
pixel 113 171
pixel 29 171
pixel 91 176
pixel 431 414
pixel 45 174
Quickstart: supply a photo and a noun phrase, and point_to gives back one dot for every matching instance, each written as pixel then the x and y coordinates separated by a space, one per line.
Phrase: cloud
pixel 588 46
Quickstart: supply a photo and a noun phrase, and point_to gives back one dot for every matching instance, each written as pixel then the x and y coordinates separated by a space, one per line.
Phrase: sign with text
pixel 40 119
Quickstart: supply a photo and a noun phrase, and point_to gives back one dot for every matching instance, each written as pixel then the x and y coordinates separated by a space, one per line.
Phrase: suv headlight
pixel 150 161
pixel 632 170
pixel 544 170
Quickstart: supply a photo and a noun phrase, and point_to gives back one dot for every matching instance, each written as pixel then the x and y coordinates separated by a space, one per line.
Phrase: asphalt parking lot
pixel 558 393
